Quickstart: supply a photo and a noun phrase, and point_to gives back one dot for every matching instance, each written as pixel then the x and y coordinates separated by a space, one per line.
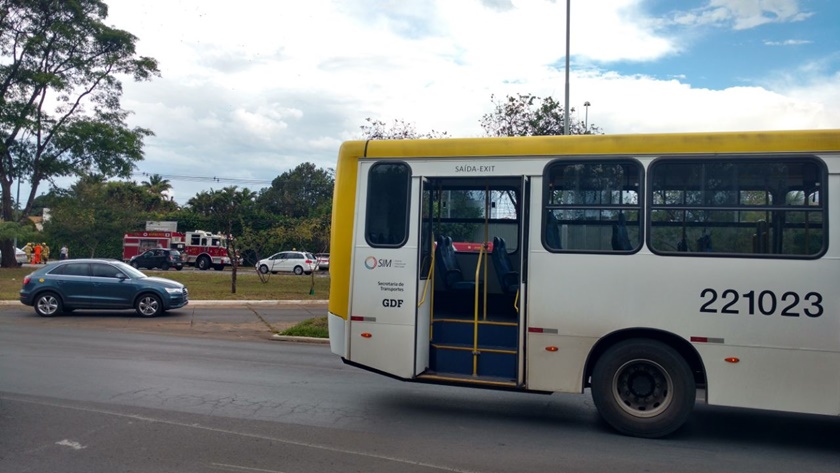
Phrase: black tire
pixel 148 305
pixel 135 265
pixel 47 304
pixel 219 267
pixel 643 388
pixel 179 268
pixel 203 263
pixel 164 267
pixel 264 269
pixel 298 270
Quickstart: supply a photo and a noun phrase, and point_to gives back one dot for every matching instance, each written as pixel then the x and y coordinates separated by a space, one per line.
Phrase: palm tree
pixel 158 186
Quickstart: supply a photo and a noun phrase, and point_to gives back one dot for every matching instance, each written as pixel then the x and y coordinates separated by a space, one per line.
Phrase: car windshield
pixel 309 256
pixel 174 253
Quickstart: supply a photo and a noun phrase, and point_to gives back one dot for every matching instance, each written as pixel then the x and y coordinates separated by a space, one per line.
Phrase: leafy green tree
pixel 60 112
pixel 21 232
pixel 305 191
pixel 92 216
pixel 529 115
pixel 399 130
pixel 226 209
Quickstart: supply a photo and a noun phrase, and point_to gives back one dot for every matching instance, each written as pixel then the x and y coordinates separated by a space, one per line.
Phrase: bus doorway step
pixel 456 378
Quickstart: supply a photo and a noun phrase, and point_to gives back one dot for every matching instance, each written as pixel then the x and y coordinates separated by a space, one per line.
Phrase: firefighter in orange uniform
pixel 37 258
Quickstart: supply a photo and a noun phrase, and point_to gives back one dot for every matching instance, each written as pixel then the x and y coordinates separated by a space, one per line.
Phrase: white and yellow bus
pixel 644 267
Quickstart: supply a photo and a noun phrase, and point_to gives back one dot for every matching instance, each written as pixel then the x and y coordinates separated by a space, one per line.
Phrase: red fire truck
pixel 203 249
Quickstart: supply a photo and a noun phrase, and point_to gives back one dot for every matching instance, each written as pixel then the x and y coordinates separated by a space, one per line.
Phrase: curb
pixel 289 338
pixel 258 303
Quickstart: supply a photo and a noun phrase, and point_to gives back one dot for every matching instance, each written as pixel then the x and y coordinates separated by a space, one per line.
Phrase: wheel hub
pixel 643 388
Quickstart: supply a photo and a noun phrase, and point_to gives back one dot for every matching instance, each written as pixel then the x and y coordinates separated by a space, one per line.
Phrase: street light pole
pixel 586 123
pixel 566 108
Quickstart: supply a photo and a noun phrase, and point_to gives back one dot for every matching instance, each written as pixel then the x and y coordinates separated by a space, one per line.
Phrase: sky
pixel 253 88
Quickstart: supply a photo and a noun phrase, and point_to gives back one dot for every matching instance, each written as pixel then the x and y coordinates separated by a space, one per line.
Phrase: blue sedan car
pixel 67 285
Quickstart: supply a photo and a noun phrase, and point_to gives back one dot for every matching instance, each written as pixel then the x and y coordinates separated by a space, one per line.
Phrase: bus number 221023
pixel 790 304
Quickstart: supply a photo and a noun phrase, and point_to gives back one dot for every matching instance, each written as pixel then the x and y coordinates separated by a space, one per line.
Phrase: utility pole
pixel 566 107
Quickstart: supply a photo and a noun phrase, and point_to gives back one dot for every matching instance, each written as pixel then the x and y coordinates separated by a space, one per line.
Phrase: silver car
pixel 298 262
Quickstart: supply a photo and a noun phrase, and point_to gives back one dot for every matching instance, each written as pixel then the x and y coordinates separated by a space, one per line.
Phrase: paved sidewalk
pixel 225 319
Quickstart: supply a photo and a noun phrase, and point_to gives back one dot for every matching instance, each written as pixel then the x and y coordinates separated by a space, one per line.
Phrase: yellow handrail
pixel 482 258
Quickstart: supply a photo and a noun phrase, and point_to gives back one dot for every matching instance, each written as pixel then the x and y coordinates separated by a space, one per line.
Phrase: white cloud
pixel 743 14
pixel 252 91
pixel 788 42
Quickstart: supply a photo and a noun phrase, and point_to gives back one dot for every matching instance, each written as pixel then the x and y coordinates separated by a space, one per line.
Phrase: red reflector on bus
pixel 700 339
pixel 535 330
pixel 366 335
pixel 357 318
pixel 732 359
pixel 551 348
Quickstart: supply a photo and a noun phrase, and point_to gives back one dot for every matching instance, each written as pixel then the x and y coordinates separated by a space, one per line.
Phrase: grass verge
pixel 316 328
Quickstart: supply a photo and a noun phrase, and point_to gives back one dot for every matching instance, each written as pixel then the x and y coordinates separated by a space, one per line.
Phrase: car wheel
pixel 298 270
pixel 263 269
pixel 203 263
pixel 135 264
pixel 47 304
pixel 164 267
pixel 643 388
pixel 219 267
pixel 148 305
pixel 179 268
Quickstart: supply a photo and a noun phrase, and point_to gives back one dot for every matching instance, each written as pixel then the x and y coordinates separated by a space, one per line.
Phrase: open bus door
pixel 476 227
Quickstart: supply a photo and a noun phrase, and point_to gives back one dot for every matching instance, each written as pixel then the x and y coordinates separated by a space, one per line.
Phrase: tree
pixel 399 130
pixel 225 209
pixel 158 187
pixel 305 191
pixel 93 215
pixel 529 115
pixel 60 112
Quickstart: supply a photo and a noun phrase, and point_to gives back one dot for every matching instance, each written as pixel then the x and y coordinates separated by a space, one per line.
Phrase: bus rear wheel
pixel 643 388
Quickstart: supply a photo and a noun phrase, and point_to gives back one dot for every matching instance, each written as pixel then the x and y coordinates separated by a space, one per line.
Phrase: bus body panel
pixel 368 339
pixel 774 379
pixel 338 328
pixel 560 370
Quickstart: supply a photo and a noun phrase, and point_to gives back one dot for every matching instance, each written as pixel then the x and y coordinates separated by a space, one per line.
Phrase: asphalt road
pixel 102 393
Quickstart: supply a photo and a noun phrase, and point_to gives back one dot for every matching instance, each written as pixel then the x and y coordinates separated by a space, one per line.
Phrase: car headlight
pixel 175 290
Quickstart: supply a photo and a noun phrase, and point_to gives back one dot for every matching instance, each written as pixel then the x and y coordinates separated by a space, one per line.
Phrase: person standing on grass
pixel 63 253
pixel 45 253
pixel 36 259
pixel 28 250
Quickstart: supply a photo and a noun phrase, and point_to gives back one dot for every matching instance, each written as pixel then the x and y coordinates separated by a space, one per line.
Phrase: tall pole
pixel 566 108
pixel 586 123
